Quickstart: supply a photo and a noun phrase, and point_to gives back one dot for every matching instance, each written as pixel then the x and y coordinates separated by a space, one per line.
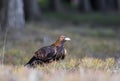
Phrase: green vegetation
pixel 89 18
pixel 86 42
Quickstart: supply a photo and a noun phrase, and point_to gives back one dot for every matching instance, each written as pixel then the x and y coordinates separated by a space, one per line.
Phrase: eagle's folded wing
pixel 45 53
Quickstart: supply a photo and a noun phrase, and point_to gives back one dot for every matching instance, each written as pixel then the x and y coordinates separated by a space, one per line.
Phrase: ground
pixel 93 53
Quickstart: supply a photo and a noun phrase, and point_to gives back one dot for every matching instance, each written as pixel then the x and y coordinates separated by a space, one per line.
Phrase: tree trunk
pixel 118 4
pixel 111 5
pixel 58 5
pixel 12 14
pixel 32 11
pixel 3 15
pixel 102 5
pixel 0 4
pixel 87 5
pixel 76 4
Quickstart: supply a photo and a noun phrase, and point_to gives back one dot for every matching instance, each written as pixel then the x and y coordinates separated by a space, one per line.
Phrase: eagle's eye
pixel 61 38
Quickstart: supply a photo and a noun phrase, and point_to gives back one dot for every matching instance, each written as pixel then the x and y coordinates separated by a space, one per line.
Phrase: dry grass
pixel 61 72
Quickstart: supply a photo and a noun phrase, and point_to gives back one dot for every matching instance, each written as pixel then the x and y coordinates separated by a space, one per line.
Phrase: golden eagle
pixel 48 54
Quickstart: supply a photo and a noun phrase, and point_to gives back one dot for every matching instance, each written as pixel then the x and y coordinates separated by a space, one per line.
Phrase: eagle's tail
pixel 33 62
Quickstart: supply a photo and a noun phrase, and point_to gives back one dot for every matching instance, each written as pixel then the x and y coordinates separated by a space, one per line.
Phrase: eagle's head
pixel 61 40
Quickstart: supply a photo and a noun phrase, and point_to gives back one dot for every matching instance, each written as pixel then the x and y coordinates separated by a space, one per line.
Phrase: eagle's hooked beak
pixel 67 39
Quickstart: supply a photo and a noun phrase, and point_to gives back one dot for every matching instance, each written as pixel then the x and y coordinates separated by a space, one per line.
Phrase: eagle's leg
pixel 40 62
pixel 33 64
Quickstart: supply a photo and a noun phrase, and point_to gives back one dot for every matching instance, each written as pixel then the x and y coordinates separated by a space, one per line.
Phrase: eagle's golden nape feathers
pixel 57 43
pixel 48 54
pixel 60 39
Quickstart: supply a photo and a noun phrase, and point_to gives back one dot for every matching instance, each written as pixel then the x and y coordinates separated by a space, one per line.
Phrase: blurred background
pixel 27 25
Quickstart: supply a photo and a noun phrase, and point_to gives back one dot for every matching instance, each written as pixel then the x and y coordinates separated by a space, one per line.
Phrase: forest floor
pixel 93 53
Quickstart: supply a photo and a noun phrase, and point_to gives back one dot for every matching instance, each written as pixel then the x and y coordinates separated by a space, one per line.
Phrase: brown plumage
pixel 48 54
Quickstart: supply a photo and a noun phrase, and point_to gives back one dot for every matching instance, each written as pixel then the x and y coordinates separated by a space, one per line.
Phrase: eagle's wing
pixel 45 53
